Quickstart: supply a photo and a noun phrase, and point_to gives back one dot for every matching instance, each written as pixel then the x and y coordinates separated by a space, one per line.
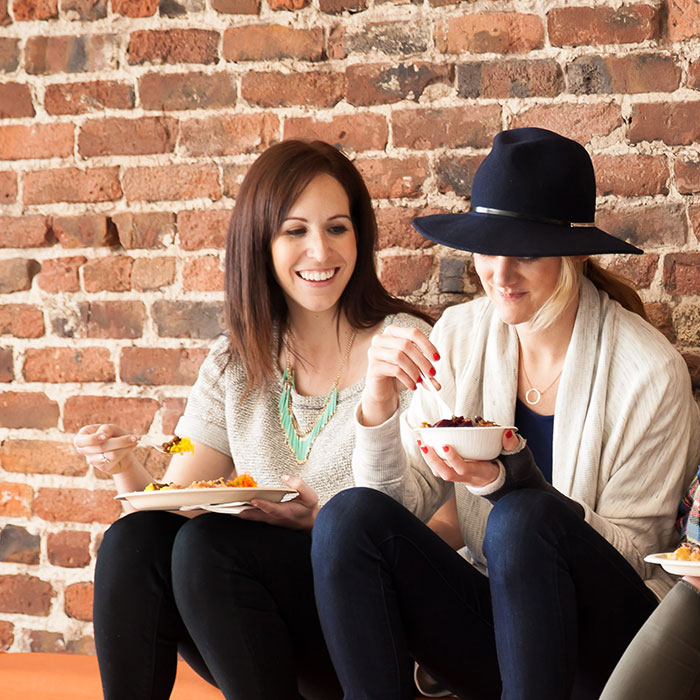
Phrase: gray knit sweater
pixel 249 431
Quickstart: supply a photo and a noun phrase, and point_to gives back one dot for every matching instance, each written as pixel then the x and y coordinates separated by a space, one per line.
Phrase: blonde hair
pixel 571 273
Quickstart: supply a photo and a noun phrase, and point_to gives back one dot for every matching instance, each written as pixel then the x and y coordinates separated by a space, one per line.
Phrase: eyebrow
pixel 335 216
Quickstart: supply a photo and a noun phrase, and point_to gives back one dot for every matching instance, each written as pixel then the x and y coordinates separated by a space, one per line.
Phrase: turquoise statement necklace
pixel 299 441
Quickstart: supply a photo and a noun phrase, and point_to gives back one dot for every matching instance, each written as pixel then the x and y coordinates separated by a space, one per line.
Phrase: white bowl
pixel 481 443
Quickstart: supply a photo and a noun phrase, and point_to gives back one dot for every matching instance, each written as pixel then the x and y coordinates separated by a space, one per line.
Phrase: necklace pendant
pixel 536 392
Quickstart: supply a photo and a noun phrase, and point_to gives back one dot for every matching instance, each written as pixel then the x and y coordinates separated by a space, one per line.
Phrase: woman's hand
pixel 397 359
pixel 451 467
pixel 104 446
pixel 297 514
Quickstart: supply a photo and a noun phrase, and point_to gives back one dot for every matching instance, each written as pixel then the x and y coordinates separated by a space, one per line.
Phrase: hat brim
pixel 491 234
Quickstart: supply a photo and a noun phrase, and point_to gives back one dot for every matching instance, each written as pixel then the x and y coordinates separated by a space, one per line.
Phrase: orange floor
pixel 75 677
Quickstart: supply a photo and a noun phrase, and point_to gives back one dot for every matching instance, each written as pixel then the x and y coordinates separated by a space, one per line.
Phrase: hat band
pixel 538 219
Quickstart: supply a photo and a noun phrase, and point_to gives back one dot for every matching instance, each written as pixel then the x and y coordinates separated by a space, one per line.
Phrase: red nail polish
pixel 436 356
pixel 446 448
pixel 432 372
pixel 419 443
pixel 509 433
pixel 424 449
pixel 419 380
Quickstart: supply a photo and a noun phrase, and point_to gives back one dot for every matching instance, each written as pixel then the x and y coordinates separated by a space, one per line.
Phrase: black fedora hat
pixel 532 196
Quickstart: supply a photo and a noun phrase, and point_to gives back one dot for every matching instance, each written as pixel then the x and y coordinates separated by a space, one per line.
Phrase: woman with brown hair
pixel 274 399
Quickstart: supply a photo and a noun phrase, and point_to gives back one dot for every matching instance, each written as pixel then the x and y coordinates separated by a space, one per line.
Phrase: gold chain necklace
pixel 534 390
pixel 298 441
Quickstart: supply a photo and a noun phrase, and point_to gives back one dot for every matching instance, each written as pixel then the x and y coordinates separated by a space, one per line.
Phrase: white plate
pixel 675 566
pixel 171 499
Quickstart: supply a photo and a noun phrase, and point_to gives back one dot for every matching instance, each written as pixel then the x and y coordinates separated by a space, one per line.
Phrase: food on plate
pixel 244 480
pixel 687 552
pixel 460 422
pixel 178 444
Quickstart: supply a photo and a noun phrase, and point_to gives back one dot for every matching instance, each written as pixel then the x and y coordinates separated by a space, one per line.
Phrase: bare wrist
pixel 373 413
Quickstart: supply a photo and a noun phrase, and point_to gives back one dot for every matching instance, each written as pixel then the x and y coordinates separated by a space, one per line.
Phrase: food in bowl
pixel 686 552
pixel 473 438
pixel 178 444
pixel 244 480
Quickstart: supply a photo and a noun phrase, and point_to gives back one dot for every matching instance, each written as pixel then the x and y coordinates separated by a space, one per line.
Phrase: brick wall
pixel 126 126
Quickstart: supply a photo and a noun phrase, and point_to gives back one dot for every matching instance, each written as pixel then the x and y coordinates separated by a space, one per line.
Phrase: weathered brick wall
pixel 125 128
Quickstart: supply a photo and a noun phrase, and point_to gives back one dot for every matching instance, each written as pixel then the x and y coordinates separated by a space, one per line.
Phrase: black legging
pixel 234 597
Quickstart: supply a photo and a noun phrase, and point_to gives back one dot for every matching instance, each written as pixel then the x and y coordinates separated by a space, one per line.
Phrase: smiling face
pixel 517 287
pixel 314 251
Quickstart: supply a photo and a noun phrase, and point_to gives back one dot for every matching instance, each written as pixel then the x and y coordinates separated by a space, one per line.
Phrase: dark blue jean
pixel 558 610
pixel 234 597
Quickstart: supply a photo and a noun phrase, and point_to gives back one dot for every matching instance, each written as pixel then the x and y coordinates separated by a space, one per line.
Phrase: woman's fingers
pixel 509 440
pixel 447 465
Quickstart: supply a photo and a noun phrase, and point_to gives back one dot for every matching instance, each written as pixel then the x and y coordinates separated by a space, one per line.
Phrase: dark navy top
pixel 538 431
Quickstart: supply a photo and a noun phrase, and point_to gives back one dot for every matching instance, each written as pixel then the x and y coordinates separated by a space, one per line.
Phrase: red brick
pixel 351 132
pixel 79 98
pixel 135 8
pixel 7 372
pixel 385 83
pixel 272 42
pixel 157 366
pixel 70 549
pixel 287 4
pixel 403 38
pixel 456 174
pixel 681 273
pixel 687 174
pixel 8 194
pixel 24 231
pixel 76 505
pixel 5 18
pixel 203 274
pixel 171 182
pixel 683 20
pixel 41 457
pixel 27 409
pixel 203 229
pixel 631 175
pixel 147 230
pixel 187 319
pixel 21 320
pixel 7 629
pixel 393 177
pixel 70 54
pixel 46 642
pixel 173 408
pixel 112 319
pixel 577 121
pixel 9 51
pixel 623 74
pixel 92 231
pixel 15 101
pixel 334 7
pixel 89 10
pixel 639 270
pixel 18 546
pixel 395 228
pixel 452 127
pixel 16 274
pixel 513 78
pixel 82 364
pixel 693 363
pixel 309 89
pixel 229 134
pixel 585 26
pixel 25 595
pixel 405 274
pixel 648 227
pixel 491 32
pixel 173 46
pixel 84 646
pixel 176 91
pixel 134 414
pixel 103 52
pixel 335 46
pixel 152 273
pixel 109 274
pixel 78 597
pixel 60 274
pixel 72 185
pixel 236 7
pixel 37 141
pixel 27 10
pixel 232 178
pixel 15 500
pixel 100 137
pixel 675 124
pixel 694 216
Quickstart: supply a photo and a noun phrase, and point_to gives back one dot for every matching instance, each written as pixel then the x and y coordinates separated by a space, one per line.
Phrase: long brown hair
pixel 254 303
pixel 617 287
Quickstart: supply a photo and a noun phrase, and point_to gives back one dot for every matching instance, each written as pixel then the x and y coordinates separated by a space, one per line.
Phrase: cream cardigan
pixel 626 427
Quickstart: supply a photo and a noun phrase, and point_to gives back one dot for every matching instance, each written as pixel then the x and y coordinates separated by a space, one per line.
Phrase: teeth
pixel 316 275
